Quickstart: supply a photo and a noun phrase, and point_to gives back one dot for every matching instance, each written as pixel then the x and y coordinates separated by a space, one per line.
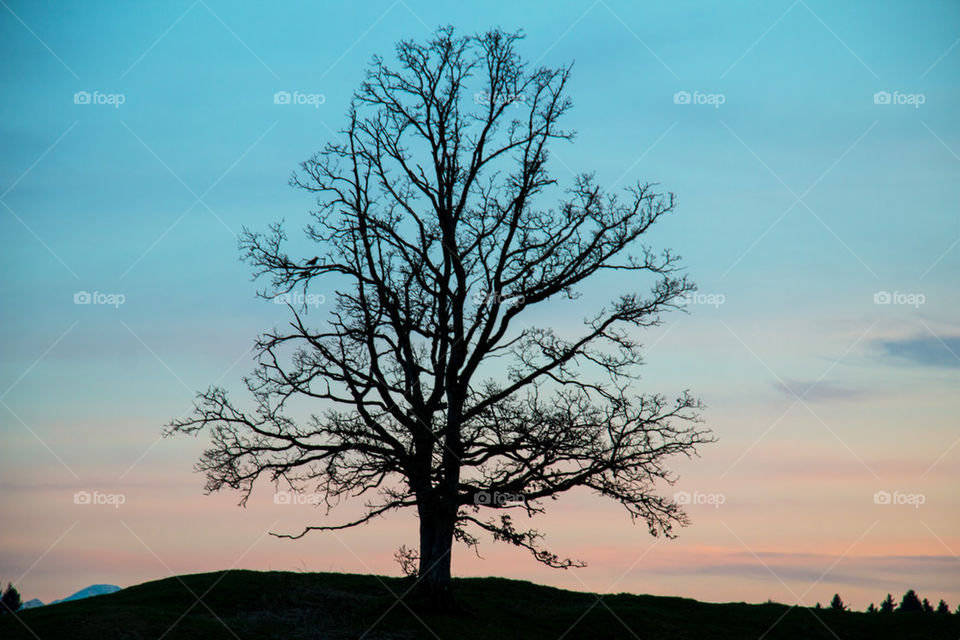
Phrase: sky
pixel 813 148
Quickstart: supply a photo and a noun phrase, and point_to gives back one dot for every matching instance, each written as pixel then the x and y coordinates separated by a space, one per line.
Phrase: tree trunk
pixel 434 588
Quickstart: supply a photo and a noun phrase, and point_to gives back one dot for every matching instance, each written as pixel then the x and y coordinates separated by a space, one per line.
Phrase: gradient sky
pixel 801 200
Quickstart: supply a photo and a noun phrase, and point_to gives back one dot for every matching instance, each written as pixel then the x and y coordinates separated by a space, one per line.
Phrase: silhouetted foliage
pixel 872 608
pixel 837 604
pixel 910 602
pixel 10 600
pixel 407 559
pixel 435 388
pixel 888 604
pixel 817 606
pixel 927 607
pixel 943 607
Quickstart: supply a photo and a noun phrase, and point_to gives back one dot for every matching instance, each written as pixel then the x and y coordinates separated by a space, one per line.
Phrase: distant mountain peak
pixel 88 592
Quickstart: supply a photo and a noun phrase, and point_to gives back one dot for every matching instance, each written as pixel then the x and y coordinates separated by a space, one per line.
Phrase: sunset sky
pixel 814 148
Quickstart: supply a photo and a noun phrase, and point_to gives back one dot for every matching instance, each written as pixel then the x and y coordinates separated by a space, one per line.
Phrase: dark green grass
pixel 251 604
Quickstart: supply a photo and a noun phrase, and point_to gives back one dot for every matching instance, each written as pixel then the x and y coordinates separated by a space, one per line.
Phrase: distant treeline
pixel 910 602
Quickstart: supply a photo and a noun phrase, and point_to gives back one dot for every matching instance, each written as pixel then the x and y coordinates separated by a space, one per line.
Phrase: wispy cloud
pixel 930 351
pixel 813 391
pixel 879 572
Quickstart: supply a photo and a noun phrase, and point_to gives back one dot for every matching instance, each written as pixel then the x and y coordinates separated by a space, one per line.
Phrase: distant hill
pixel 254 605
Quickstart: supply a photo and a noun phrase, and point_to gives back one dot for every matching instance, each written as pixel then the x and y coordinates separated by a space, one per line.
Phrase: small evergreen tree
pixel 887 606
pixel 817 606
pixel 10 600
pixel 927 607
pixel 910 602
pixel 872 608
pixel 943 607
pixel 837 604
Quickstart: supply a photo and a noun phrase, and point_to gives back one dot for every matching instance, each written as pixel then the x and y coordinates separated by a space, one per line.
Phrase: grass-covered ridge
pixel 252 604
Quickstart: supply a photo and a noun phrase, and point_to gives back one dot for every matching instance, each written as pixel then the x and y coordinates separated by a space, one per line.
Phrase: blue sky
pixel 800 199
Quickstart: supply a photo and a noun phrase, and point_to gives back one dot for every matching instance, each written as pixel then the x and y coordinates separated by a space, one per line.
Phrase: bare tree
pixel 432 390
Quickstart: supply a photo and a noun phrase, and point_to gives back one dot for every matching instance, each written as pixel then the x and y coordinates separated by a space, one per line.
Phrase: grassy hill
pixel 251 604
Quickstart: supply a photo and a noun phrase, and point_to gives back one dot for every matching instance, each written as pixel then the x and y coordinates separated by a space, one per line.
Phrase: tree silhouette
pixel 872 608
pixel 943 607
pixel 837 604
pixel 434 386
pixel 888 604
pixel 10 600
pixel 910 602
pixel 408 560
pixel 927 607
